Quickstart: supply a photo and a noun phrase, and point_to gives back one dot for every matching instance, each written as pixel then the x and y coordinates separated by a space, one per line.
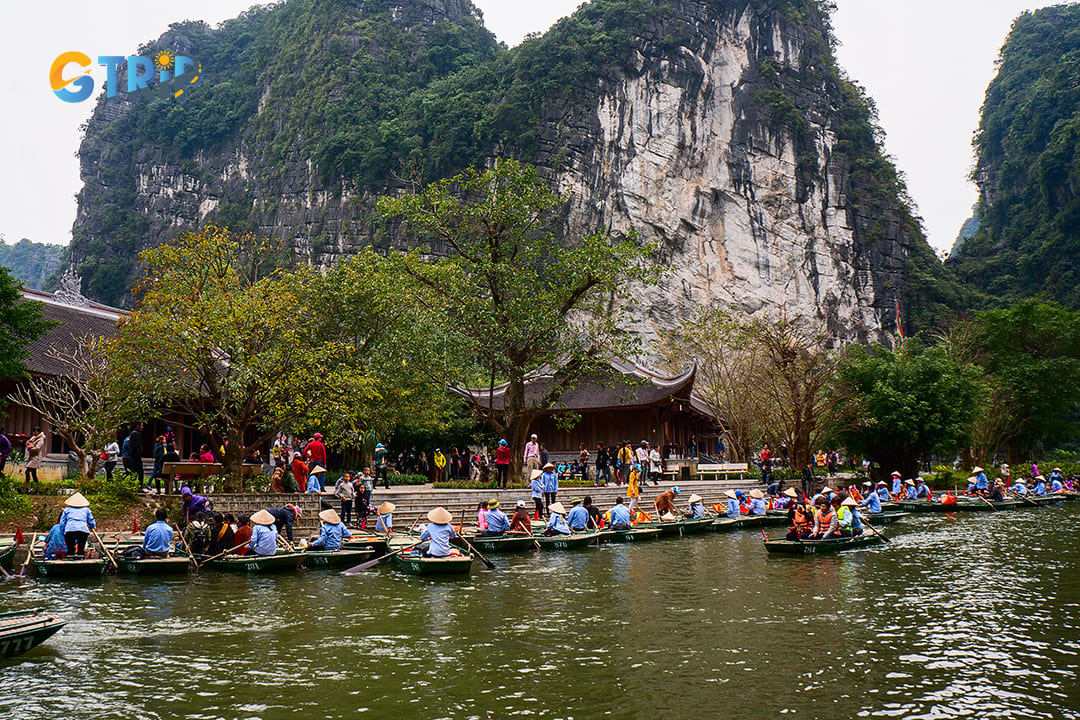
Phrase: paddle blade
pixel 357 569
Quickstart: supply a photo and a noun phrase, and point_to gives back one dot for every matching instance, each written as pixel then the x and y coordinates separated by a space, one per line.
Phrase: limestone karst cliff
pixel 721 127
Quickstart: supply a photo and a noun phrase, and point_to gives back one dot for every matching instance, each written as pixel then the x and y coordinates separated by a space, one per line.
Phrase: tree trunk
pixel 234 463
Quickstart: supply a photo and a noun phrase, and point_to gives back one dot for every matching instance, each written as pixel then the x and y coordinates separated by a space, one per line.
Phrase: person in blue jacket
pixel 437 535
pixel 757 502
pixel 732 504
pixel 982 483
pixel 922 492
pixel 264 535
pixel 910 490
pixel 550 483
pixel 1040 486
pixel 536 486
pixel 883 491
pixel 578 517
pixel 55 545
pixel 1057 481
pixel 872 503
pixel 619 516
pixel 557 521
pixel 897 485
pixel 158 538
pixel 76 522
pixel 497 522
pixel 332 533
pixel 1020 487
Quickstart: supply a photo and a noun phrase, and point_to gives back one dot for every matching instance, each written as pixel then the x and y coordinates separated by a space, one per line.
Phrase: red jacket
pixel 502 455
pixel 316 451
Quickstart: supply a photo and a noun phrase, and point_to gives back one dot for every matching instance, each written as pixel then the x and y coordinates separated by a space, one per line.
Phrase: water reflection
pixel 975 615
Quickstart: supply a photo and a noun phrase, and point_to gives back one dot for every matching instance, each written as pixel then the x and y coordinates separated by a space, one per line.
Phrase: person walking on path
pixel 502 463
pixel 35 448
pixel 315 450
pixel 532 456
pixel 382 465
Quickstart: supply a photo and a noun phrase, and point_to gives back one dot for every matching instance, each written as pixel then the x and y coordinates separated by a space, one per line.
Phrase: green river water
pixel 975 615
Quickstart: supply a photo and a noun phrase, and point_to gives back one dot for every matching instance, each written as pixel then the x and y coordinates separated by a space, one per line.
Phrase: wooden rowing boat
pixel 683 526
pixel 743 521
pixel 883 518
pixel 7 553
pixel 923 506
pixel 635 534
pixel 416 564
pixel 498 544
pixel 64 568
pixel 568 542
pixel 373 544
pixel 1052 499
pixel 336 558
pixel 174 565
pixel 21 630
pixel 282 561
pixel 818 547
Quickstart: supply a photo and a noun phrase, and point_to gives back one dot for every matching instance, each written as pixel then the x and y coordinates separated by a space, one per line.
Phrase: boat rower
pixel 497 522
pixel 882 491
pixel 1040 486
pixel 872 503
pixel 385 522
pixel 1057 481
pixel 757 503
pixel 557 521
pixel 697 508
pixel 284 517
pixel 578 517
pixel 264 535
pixel 314 485
pixel 849 506
pixel 1019 487
pixel 436 537
pixel 910 486
pixel 998 493
pixel 982 484
pixel 922 491
pixel 826 494
pixel 897 484
pixel 55 545
pixel 733 509
pixel 76 522
pixel 665 501
pixel 619 516
pixel 158 538
pixel 332 534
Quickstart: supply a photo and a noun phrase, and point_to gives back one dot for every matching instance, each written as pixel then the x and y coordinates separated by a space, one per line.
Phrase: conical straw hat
pixel 558 508
pixel 262 518
pixel 695 498
pixel 757 494
pixel 440 516
pixel 330 516
pixel 387 507
pixel 77 501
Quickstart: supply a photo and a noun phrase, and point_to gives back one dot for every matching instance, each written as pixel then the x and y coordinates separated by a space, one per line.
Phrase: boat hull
pixel 637 534
pixel 7 554
pixel 177 565
pixel 501 544
pixel 821 547
pixel 337 558
pixel 22 630
pixel 281 562
pixel 68 568
pixel 416 565
pixel 568 542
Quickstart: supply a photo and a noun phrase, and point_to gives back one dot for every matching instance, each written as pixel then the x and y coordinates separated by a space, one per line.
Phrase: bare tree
pixel 74 404
pixel 728 371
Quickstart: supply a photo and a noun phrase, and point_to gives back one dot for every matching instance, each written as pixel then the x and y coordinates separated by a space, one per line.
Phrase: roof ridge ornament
pixel 70 292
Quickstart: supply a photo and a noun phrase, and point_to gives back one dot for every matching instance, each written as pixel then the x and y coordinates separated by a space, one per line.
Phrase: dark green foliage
pixel 20 324
pixel 909 403
pixel 32 263
pixel 1028 170
pixel 1034 348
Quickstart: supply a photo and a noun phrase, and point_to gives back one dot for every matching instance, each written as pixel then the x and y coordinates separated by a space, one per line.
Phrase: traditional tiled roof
pixel 73 323
pixel 624 384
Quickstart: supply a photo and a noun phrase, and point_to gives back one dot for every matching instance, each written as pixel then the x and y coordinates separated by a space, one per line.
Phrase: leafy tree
pixel 507 301
pixel 1033 349
pixel 222 332
pixel 906 403
pixel 20 324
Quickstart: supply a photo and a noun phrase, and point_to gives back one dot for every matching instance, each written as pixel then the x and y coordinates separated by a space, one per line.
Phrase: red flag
pixel 134 525
pixel 19 540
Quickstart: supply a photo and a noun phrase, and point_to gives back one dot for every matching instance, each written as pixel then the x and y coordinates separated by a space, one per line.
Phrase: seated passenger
pixel 557 521
pixel 264 535
pixel 872 503
pixel 697 508
pixel 332 533
pixel 578 517
pixel 521 522
pixel 438 533
pixel 733 508
pixel 158 538
pixel 497 522
pixel 619 516
pixel 757 502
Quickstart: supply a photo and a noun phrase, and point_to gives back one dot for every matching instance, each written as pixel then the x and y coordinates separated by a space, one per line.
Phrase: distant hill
pixel 1028 166
pixel 32 264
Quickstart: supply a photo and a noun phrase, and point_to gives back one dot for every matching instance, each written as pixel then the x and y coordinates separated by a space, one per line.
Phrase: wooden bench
pixel 198 471
pixel 725 469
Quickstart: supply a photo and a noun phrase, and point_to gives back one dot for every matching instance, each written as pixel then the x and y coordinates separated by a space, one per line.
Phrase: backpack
pixel 200 539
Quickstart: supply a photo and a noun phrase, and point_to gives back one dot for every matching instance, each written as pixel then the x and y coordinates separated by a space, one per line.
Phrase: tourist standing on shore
pixel 602 464
pixel 626 461
pixel 112 456
pixel 35 448
pixel 633 486
pixel 532 456
pixel 583 462
pixel 346 493
pixel 382 465
pixel 132 452
pixel 656 466
pixel 641 456
pixel 440 464
pixel 502 463
pixel 766 464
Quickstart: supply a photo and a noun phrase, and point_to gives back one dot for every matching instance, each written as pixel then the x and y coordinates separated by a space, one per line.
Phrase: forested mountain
pixel 722 128
pixel 31 263
pixel 1028 166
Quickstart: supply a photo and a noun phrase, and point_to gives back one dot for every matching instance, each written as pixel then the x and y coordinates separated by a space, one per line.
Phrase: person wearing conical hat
pixel 872 501
pixel 385 522
pixel 785 499
pixel 757 502
pixel 696 508
pixel 557 520
pixel 849 513
pixel 982 483
pixel 536 488
pixel 76 522
pixel 578 517
pixel 264 534
pixel 922 490
pixel 438 533
pixel 1040 486
pixel 1020 487
pixel 665 502
pixel 314 480
pixel 550 481
pixel 284 517
pixel 497 522
pixel 909 489
pixel 897 484
pixel 1057 481
pixel 734 508
pixel 332 533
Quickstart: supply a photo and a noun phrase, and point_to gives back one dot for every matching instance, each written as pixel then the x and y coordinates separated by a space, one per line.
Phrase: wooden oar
pixel 191 555
pixel 1024 498
pixel 874 530
pixel 992 507
pixel 490 565
pixel 29 552
pixel 105 549
pixel 355 569
pixel 220 555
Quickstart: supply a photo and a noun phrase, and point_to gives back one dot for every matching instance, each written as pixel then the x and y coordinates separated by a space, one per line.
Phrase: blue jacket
pixel 758 506
pixel 733 508
pixel 697 510
pixel 330 536
pixel 1040 489
pixel 537 486
pixel 922 491
pixel 872 503
pixel 263 540
pixel 558 522
pixel 620 514
pixel 1020 488
pixel 158 537
pixel 77 520
pixel 550 481
pixel 897 486
pixel 439 537
pixel 1056 485
pixel 54 542
pixel 313 485
pixel 981 483
pixel 497 521
pixel 910 494
pixel 578 518
pixel 883 494
pixel 385 523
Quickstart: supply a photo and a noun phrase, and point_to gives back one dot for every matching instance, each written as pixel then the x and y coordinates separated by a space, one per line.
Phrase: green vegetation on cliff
pixel 1028 169
pixel 31 263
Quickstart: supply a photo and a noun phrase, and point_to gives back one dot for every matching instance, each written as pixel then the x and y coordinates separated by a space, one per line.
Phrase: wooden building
pixel 626 402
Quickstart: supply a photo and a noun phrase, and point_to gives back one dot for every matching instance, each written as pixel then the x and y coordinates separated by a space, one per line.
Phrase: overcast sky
pixel 926 64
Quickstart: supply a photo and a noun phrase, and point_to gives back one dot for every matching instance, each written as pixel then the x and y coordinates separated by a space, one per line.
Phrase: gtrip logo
pixel 165 78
